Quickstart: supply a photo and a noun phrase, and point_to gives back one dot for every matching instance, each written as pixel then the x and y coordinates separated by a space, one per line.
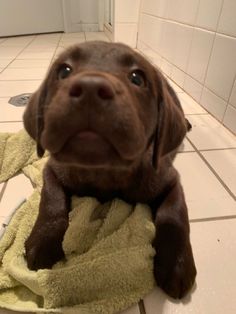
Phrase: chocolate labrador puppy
pixel 112 125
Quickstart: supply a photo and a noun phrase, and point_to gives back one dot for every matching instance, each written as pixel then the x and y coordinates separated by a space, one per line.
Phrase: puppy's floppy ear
pixel 171 124
pixel 34 116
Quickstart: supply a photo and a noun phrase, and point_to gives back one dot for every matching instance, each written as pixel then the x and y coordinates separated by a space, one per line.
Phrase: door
pixel 19 17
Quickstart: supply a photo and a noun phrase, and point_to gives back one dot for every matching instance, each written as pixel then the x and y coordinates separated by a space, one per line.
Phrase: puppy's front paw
pixel 43 248
pixel 176 276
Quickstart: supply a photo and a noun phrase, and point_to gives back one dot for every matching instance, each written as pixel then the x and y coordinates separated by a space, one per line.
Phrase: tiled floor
pixel 206 162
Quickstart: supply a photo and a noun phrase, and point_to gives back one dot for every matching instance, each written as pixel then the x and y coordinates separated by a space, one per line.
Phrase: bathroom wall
pixel 80 15
pixel 194 43
pixel 126 15
pixel 125 21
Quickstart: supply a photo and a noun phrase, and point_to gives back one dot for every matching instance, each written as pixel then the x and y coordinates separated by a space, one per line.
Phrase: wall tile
pixel 166 67
pixel 233 96
pixel 127 11
pixel 182 45
pixel 155 7
pixel 214 104
pixel 193 88
pixel 150 31
pixel 192 55
pixel 200 54
pixel 178 76
pixel 168 40
pixel 208 14
pixel 184 11
pixel 126 33
pixel 222 66
pixel 150 54
pixel 230 118
pixel 189 105
pixel 227 23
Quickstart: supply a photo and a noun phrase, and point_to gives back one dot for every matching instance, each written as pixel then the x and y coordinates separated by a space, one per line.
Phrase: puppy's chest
pixel 143 188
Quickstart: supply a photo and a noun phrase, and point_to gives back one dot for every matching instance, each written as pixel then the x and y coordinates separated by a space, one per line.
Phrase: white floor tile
pixel 4 62
pixel 208 133
pixel 43 45
pixel 205 195
pixel 9 52
pixel 224 163
pixel 28 63
pixel 18 189
pixel 17 41
pixel 35 55
pixel 189 105
pixel 176 88
pixel 186 146
pixel 73 35
pixel 214 247
pixel 132 310
pixel 11 127
pixel 96 36
pixel 13 88
pixel 9 112
pixel 71 41
pixel 23 74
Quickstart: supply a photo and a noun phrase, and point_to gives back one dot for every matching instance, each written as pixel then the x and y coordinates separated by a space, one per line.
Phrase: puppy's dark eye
pixel 64 71
pixel 137 77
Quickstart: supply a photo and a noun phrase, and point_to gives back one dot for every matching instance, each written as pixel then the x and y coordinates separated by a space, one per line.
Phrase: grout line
pixel 213 171
pixel 141 307
pixel 33 34
pixel 55 51
pixel 216 149
pixel 186 152
pixel 15 121
pixel 182 88
pixel 20 52
pixel 228 101
pixel 212 219
pixel 192 25
pixel 196 114
pixel 208 63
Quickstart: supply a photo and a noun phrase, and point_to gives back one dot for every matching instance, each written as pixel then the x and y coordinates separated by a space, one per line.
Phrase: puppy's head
pixel 101 105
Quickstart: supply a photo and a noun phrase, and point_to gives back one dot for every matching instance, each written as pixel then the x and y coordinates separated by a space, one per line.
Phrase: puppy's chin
pixel 89 149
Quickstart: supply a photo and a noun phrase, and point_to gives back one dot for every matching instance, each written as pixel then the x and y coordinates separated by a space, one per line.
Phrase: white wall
pixel 81 15
pixel 125 27
pixel 126 21
pixel 194 43
pixel 30 16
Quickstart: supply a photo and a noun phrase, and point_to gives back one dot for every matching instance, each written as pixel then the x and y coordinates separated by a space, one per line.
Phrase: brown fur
pixel 109 137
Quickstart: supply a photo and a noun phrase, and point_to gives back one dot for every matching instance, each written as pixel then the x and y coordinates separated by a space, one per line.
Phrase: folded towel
pixel 108 262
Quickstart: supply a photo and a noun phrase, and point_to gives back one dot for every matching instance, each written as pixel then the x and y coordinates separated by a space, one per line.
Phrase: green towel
pixel 108 263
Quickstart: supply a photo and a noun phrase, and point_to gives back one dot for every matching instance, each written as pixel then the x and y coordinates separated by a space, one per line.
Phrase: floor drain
pixel 19 100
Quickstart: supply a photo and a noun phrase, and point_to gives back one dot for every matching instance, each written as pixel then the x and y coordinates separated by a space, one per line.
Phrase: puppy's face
pixel 99 106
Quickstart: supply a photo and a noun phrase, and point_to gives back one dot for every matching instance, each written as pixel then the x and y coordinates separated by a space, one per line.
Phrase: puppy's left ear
pixel 34 116
pixel 171 123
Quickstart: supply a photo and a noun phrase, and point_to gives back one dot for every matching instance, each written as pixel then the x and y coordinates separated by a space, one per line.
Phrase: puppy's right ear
pixel 34 116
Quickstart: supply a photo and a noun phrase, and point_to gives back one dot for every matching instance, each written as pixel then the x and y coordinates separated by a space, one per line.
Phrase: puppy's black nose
pixel 92 86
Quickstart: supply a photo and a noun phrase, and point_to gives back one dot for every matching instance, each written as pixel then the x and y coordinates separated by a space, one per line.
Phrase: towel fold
pixel 108 262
